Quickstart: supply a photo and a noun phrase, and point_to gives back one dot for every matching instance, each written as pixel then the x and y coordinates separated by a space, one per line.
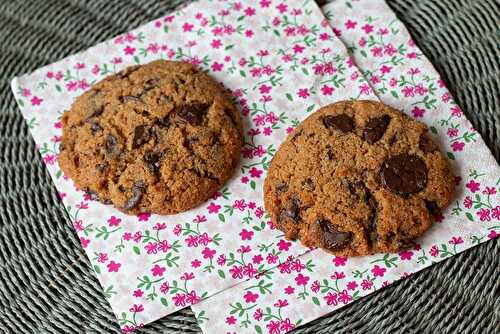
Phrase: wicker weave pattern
pixel 41 256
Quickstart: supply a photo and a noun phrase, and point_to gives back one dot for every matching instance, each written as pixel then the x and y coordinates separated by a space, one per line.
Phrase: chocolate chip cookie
pixel 161 138
pixel 357 178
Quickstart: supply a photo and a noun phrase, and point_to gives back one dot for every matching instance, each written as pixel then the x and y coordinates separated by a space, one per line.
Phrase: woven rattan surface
pixel 46 282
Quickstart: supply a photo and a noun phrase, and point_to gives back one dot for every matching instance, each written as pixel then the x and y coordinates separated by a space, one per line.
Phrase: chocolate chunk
pixel 341 122
pixel 372 223
pixel 141 136
pixel 375 128
pixel 426 144
pixel 101 167
pixel 96 112
pixel 280 188
pixel 62 147
pixel 296 135
pixel 137 192
pixel 329 153
pixel 111 143
pixel 129 98
pixel 166 98
pixel 152 161
pixel 331 238
pixel 308 184
pixel 404 174
pixel 106 201
pixel 151 83
pixel 192 113
pixel 433 208
pixel 95 127
pixel 293 210
pixel 125 73
pixel 358 190
pixel 163 122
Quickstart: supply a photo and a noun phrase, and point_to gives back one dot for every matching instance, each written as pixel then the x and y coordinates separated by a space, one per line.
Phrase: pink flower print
pixel 187 27
pixel 303 93
pixel 79 66
pixel 82 205
pixel 393 82
pixel 271 259
pixel 417 112
pixel 282 8
pixel 408 91
pixel 192 298
pixel 273 327
pixel 362 42
pixel 192 241
pixel 352 285
pixel 265 3
pixel 249 11
pixel 213 208
pixel 113 221
pixel 248 33
pixel 378 271
pixel 247 152
pixel 318 68
pixel 349 24
pixel 329 68
pixel 187 276
pixel 366 284
pixel 26 92
pixel 164 246
pixel 389 49
pixel 405 255
pixel 255 172
pixel 489 191
pixel 216 43
pixel 116 60
pixel 289 130
pixel 367 28
pixel 457 146
pixel 287 58
pixel 256 259
pixel 158 24
pixel 385 69
pixel 244 179
pixel 128 329
pixel 289 290
pixel 456 241
pixel 302 30
pixel 78 225
pixel 420 89
pixel 246 234
pixel 179 299
pixel 276 21
pixel 324 36
pixel 151 248
pixel 446 97
pixel 195 61
pixel 258 120
pixel 298 48
pixel 493 234
pixel 250 297
pixel 297 265
pixel 331 298
pixel 177 229
pixel 376 51
pixel 160 226
pixel 242 62
pixel 230 320
pixel 143 217
pixel 283 245
pixel 204 239
pixel 286 325
pixel 315 286
pixel 337 32
pixel 236 271
pixel 327 90
pixel 208 253
pixel 434 251
pixel 495 212
pixel 221 260
pixel 374 79
pixel 296 12
pixel 259 151
pixel 272 118
pixel 138 293
pixel 413 71
pixel 265 89
pixel 452 132
pixel 258 314
pixel 127 236
pixel 102 258
pixel 113 266
pixel 195 263
pixel 301 279
pixel 365 89
pixel 337 275
pixel 256 72
pixel 229 29
pixel 344 297
pixel 266 98
pixel 244 249
pixel 128 51
pixel 285 268
pixel 239 204
pixel 473 186
pixel 59 75
pixel 136 308
pixel 484 214
pixel 456 111
pixel 411 55
pixel 339 261
pixel 50 75
pixel 354 76
pixel 49 159
pixel 36 101
pixel 95 69
pixel 249 270
pixel 217 31
pixel 171 53
pixel 82 84
pixel 217 67
pixel 224 12
pixel 137 236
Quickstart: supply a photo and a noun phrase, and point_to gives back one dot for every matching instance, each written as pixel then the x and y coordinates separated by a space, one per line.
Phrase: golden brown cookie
pixel 161 138
pixel 357 178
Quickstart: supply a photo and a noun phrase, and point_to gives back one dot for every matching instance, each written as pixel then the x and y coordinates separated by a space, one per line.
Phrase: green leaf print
pixel 136 250
pixel 315 300
pixel 221 274
pixel 164 301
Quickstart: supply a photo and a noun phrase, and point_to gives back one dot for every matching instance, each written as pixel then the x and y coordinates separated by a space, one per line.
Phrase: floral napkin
pixel 312 285
pixel 281 62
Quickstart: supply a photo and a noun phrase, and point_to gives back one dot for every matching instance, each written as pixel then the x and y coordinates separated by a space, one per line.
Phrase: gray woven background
pixel 46 282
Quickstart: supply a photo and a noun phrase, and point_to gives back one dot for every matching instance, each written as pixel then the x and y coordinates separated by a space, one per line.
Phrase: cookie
pixel 357 178
pixel 160 138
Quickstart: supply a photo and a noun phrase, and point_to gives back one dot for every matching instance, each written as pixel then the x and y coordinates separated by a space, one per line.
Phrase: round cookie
pixel 357 178
pixel 161 138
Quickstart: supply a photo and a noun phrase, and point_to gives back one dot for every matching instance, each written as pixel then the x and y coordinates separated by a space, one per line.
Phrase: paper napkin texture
pixel 282 61
pixel 306 288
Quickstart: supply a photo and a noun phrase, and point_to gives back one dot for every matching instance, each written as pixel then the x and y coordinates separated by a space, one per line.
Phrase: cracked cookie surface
pixel 357 178
pixel 161 138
